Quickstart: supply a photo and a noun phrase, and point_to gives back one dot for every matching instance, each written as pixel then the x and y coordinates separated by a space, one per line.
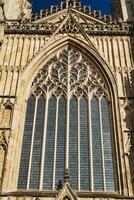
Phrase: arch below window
pixel 68 125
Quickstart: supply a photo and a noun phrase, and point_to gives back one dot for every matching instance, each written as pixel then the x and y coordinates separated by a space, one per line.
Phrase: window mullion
pixel 43 144
pixel 102 147
pixel 55 143
pixel 32 141
pixel 90 146
pixel 78 144
pixel 67 134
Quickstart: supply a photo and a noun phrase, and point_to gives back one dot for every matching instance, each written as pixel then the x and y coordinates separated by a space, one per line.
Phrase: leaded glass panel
pixel 96 136
pixel 60 155
pixel 68 125
pixel 84 145
pixel 26 146
pixel 37 144
pixel 108 159
pixel 49 150
pixel 73 143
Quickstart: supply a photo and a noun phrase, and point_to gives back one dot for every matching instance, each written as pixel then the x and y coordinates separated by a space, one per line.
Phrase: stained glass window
pixel 25 154
pixel 68 126
pixel 73 143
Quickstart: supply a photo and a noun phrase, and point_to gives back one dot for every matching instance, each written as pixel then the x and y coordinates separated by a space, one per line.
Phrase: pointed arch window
pixel 68 126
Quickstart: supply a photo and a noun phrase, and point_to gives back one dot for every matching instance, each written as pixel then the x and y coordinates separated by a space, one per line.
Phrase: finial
pixel 67 176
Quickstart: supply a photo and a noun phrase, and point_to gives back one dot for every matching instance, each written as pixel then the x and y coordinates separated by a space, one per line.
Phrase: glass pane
pixel 60 160
pixel 96 136
pixel 37 145
pixel 109 172
pixel 24 163
pixel 49 150
pixel 84 142
pixel 73 141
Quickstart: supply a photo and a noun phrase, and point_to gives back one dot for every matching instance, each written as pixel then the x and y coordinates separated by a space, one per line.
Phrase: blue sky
pixel 103 5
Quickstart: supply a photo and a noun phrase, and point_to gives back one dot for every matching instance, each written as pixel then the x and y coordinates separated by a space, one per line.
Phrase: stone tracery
pixel 69 73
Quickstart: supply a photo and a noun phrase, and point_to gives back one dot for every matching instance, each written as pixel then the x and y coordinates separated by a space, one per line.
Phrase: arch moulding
pixel 14 150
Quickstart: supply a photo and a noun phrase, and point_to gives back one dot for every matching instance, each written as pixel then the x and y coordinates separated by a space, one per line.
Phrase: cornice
pixel 90 28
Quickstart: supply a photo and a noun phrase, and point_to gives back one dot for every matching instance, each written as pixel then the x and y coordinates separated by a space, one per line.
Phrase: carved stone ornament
pixel 69 73
pixel 66 193
pixel 127 109
pixel 3 140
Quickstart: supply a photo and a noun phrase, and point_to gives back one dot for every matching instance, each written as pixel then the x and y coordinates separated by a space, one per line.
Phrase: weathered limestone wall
pixel 16 54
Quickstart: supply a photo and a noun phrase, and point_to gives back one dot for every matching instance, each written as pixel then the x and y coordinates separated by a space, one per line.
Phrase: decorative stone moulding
pixel 49 29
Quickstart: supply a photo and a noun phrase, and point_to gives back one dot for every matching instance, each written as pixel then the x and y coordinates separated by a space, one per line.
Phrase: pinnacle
pixel 68 3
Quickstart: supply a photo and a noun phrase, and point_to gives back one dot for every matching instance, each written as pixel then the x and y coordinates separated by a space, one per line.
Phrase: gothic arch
pixel 30 72
pixel 48 51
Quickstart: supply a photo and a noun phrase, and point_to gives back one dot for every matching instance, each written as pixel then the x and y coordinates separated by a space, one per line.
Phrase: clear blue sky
pixel 103 5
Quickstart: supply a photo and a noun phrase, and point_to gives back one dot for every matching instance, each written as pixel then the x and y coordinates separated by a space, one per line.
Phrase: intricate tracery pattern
pixel 67 126
pixel 69 73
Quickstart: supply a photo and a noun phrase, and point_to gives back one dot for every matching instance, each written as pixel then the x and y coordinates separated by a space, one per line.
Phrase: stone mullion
pixel 31 49
pixel 67 119
pixel 12 72
pixel 5 81
pixel 28 49
pixel 110 53
pixel 106 49
pixel 19 51
pixel 39 39
pixel 18 73
pixel 90 146
pixel 43 145
pixel 3 51
pixel 41 42
pixel 126 57
pixel 67 134
pixel 25 51
pixel 127 50
pixel 32 141
pixel 103 45
pixel 131 53
pixel 113 55
pixel 13 84
pixel 36 49
pixel 102 146
pixel 122 62
pixel 9 82
pixel 12 52
pixel 78 144
pixel 116 58
pixel 55 143
pixel 17 48
pixel 22 50
pixel 8 51
pixel 100 45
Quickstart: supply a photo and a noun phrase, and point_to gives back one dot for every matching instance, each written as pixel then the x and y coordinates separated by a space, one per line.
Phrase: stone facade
pixel 123 9
pixel 27 44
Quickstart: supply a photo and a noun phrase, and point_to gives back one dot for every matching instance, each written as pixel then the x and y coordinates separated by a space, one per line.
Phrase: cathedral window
pixel 68 125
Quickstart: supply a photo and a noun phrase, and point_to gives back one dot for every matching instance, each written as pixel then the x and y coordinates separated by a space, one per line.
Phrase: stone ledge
pixel 81 195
